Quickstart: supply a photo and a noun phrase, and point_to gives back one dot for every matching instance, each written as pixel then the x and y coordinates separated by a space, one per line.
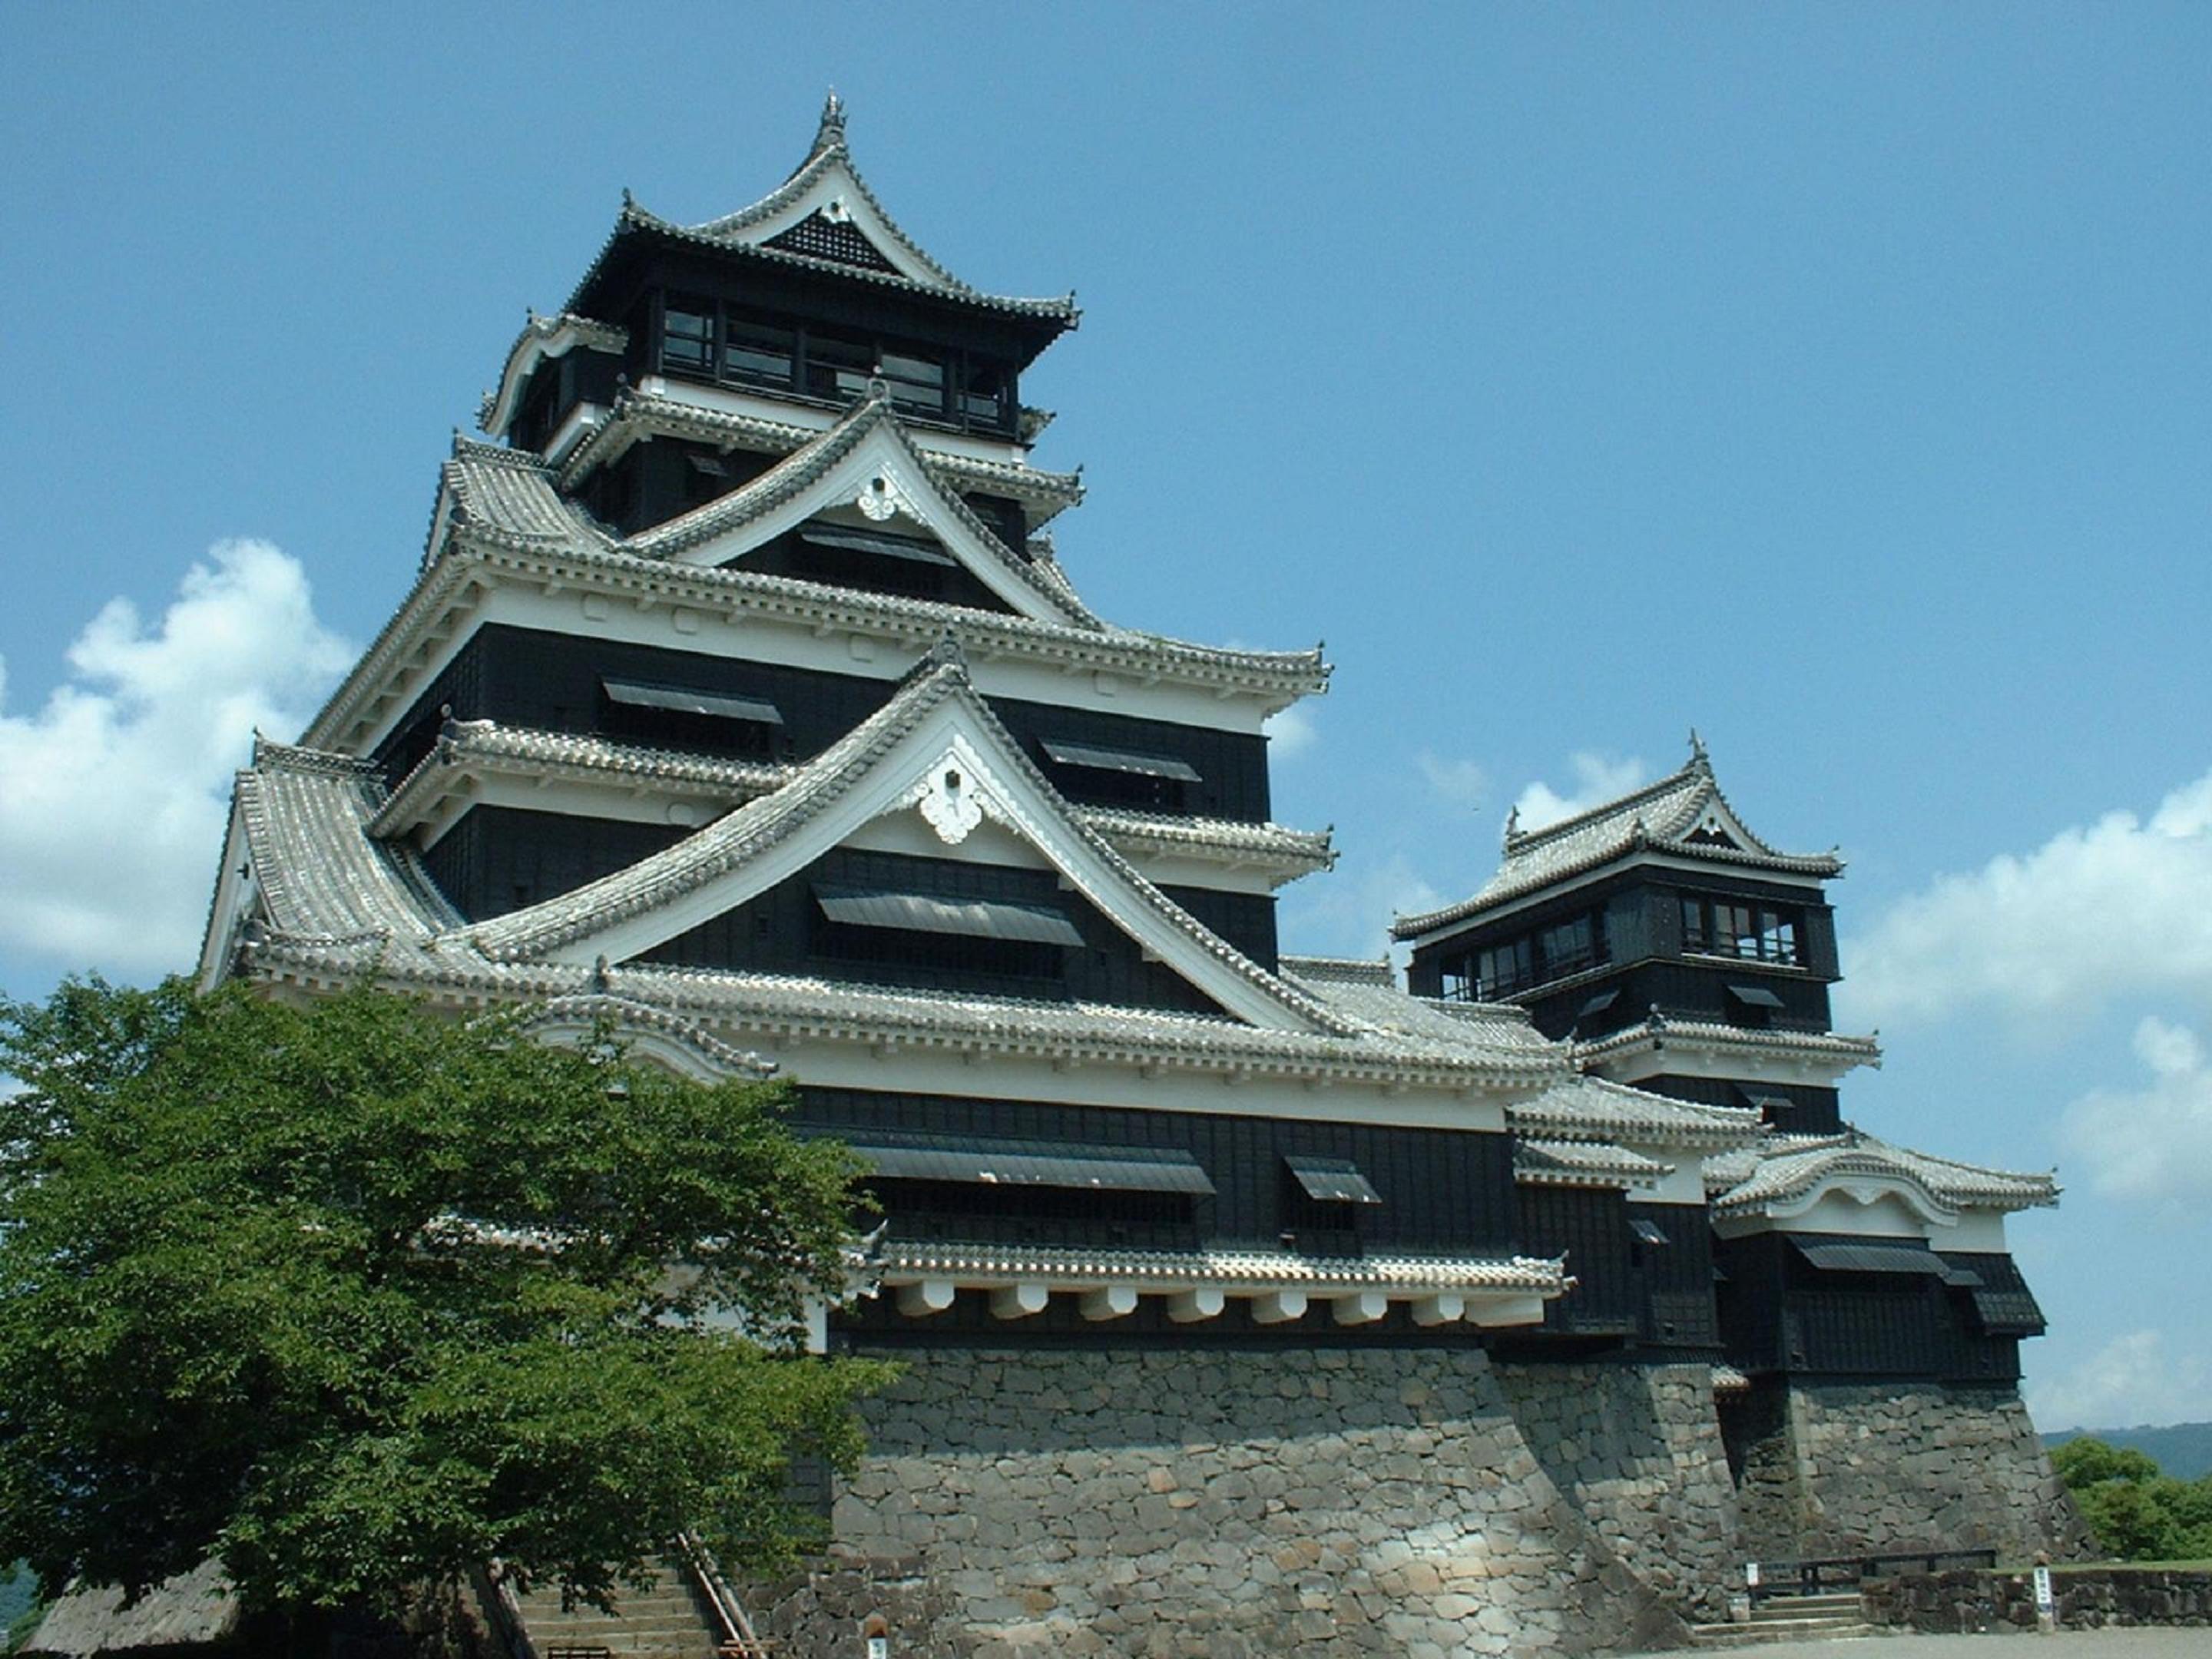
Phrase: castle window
pixel 1719 927
pixel 917 381
pixel 759 353
pixel 1777 938
pixel 1570 946
pixel 1502 970
pixel 838 365
pixel 704 339
pixel 687 337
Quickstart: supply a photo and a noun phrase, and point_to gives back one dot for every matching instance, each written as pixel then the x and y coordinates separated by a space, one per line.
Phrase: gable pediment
pixel 933 767
pixel 864 476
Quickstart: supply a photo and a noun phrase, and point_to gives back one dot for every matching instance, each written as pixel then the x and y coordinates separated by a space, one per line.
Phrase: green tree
pixel 355 1297
pixel 2087 1461
pixel 2136 1512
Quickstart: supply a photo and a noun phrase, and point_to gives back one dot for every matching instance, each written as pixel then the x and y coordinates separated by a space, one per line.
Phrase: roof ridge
pixel 1525 840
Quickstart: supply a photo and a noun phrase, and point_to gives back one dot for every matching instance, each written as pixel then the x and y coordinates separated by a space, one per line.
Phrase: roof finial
pixel 947 651
pixel 1697 756
pixel 1513 824
pixel 832 132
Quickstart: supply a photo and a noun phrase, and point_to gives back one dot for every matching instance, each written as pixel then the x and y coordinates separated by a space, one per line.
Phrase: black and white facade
pixel 740 698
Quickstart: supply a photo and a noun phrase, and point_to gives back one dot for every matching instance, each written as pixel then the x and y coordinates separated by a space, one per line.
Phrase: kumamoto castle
pixel 1250 1302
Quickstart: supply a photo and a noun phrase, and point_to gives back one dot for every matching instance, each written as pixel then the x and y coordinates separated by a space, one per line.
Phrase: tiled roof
pixel 320 877
pixel 627 1017
pixel 477 747
pixel 508 493
pixel 1378 1002
pixel 800 470
pixel 1581 1164
pixel 1790 1166
pixel 1658 1029
pixel 830 156
pixel 361 907
pixel 1667 814
pixel 1591 1108
pixel 538 334
pixel 750 831
pixel 1235 1269
pixel 475 561
pixel 641 412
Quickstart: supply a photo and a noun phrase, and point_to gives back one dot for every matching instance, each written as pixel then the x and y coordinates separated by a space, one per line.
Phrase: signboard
pixel 2045 1603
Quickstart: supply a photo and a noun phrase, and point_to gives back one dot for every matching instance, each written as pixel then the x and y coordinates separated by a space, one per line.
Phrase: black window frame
pixel 1742 930
pixel 971 391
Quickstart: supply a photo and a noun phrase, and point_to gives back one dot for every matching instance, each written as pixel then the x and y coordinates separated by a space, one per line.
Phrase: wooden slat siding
pixel 1443 1190
pixel 1677 1277
pixel 1811 1111
pixel 1590 1227
pixel 788 556
pixel 782 931
pixel 643 264
pixel 552 682
pixel 1779 1313
pixel 499 858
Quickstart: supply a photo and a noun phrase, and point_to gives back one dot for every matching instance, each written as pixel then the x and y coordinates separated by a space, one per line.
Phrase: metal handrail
pixel 1855 1569
pixel 738 1639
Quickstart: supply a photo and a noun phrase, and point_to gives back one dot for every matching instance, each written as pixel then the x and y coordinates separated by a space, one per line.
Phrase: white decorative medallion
pixel 950 803
pixel 881 498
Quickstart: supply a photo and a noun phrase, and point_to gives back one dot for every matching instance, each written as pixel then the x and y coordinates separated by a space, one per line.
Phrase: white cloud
pixel 2155 1143
pixel 113 795
pixel 1462 782
pixel 1596 780
pixel 2131 1380
pixel 2120 907
pixel 1291 732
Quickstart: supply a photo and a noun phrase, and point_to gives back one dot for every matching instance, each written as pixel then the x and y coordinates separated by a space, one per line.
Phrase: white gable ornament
pixel 881 498
pixel 950 804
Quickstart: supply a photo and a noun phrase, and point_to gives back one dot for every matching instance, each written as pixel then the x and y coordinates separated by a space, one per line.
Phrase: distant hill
pixel 2183 1450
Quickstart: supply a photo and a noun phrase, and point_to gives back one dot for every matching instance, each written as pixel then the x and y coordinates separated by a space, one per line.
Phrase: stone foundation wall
pixel 1234 1504
pixel 1637 1449
pixel 1953 1603
pixel 1833 1469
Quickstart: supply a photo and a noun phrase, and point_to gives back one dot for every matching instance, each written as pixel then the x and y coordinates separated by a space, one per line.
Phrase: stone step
pixel 662 1622
pixel 1783 1613
pixel 1778 1632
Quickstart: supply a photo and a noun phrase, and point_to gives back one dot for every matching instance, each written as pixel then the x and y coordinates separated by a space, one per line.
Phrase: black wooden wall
pixel 552 682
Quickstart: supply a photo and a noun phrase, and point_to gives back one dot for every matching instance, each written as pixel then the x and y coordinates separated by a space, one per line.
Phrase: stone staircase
pixel 1792 1619
pixel 665 1621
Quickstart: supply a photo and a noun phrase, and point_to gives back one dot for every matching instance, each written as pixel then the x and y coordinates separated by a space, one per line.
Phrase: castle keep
pixel 1251 1303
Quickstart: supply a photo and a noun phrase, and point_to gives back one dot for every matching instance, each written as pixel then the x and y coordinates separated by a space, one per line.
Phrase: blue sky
pixel 1835 379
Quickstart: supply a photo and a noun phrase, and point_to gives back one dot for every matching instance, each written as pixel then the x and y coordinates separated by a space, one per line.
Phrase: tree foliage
pixel 2136 1512
pixel 354 1297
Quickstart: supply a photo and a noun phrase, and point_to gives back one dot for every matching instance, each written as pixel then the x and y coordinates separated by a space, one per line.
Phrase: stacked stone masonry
pixel 1235 1504
pixel 1840 1469
pixel 1637 1449
pixel 1956 1603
